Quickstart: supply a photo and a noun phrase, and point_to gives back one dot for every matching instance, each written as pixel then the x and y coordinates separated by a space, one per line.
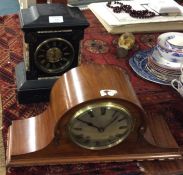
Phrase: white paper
pixel 56 19
pixel 165 6
pixel 118 19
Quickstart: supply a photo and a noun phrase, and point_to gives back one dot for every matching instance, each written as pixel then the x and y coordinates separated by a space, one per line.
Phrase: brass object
pixel 54 55
pixel 126 41
pixel 100 125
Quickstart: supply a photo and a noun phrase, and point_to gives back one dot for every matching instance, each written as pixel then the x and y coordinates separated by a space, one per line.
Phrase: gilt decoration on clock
pixel 54 55
pixel 101 125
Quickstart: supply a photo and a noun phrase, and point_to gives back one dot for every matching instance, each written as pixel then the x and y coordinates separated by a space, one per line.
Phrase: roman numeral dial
pixel 54 55
pixel 101 125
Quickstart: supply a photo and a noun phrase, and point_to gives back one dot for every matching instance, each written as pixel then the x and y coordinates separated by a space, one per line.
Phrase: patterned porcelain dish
pixel 139 64
pixel 175 42
pixel 170 46
pixel 164 63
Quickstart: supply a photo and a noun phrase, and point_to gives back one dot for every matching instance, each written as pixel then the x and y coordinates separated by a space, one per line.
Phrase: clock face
pixel 100 126
pixel 54 55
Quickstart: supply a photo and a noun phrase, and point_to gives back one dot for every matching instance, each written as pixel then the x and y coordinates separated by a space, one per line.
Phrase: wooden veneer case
pixel 44 139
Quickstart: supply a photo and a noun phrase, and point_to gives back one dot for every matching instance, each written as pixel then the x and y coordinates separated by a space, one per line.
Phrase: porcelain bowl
pixel 170 46
pixel 164 63
pixel 175 41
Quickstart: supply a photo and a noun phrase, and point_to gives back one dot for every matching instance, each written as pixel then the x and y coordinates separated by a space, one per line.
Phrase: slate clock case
pixel 52 35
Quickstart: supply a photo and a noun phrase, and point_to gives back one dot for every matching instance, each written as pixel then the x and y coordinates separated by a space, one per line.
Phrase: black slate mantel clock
pixel 52 35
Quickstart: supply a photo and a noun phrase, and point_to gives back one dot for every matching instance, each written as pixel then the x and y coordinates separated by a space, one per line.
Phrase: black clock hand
pixel 112 121
pixel 90 124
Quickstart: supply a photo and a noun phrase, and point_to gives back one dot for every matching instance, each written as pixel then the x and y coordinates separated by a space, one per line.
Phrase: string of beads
pixel 120 7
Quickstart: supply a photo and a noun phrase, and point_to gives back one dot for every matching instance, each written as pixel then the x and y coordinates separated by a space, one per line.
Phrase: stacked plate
pixel 163 63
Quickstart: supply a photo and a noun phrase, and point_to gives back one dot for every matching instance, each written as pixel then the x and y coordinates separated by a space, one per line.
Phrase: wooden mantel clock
pixel 93 115
pixel 52 35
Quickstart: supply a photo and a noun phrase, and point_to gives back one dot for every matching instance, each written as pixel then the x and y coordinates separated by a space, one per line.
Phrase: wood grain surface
pixel 43 139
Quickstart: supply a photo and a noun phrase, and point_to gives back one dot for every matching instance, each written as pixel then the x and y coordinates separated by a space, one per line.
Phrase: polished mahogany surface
pixel 43 139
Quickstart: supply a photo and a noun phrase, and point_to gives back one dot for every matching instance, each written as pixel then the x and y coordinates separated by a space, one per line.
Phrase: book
pixel 117 23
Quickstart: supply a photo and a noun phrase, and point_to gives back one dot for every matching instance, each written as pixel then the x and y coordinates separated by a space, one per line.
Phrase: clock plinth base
pixel 67 152
pixel 31 91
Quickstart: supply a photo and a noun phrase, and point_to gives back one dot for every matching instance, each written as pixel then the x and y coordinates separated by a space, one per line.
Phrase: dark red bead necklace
pixel 120 7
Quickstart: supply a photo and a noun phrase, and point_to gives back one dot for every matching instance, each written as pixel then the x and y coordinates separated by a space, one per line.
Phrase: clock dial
pixel 100 125
pixel 54 55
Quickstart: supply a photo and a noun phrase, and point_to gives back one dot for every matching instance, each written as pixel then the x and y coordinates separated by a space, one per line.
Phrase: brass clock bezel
pixel 60 69
pixel 130 120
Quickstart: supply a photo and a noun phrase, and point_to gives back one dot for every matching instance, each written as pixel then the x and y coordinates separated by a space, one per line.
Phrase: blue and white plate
pixel 138 63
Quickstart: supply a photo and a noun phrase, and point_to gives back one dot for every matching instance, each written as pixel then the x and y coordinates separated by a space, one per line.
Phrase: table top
pixel 97 47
